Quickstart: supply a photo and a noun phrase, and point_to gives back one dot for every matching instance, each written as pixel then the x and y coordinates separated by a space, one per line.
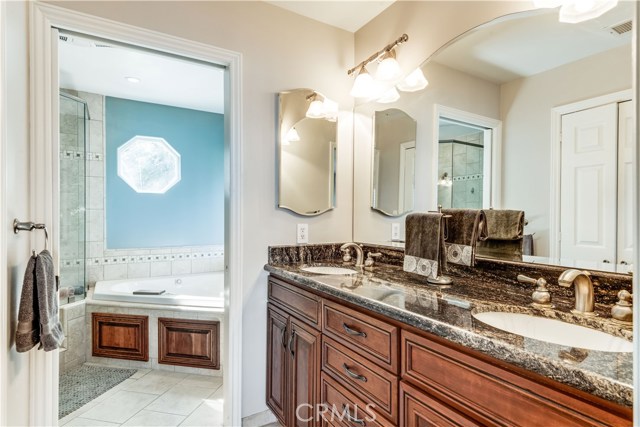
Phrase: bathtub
pixel 197 290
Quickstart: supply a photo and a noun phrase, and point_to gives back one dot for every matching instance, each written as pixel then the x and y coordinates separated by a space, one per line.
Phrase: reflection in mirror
pixel 460 164
pixel 392 182
pixel 531 73
pixel 307 153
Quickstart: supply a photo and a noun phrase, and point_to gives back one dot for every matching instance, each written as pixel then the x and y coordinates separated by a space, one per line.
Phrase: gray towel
pixel 51 335
pixel 503 224
pixel 38 314
pixel 424 252
pixel 464 228
pixel 28 331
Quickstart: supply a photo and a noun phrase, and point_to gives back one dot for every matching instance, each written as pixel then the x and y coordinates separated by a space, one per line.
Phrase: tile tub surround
pixel 73 353
pixel 154 311
pixel 113 264
pixel 447 312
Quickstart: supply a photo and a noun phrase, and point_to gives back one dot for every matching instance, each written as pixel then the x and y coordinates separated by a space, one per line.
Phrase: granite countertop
pixel 447 311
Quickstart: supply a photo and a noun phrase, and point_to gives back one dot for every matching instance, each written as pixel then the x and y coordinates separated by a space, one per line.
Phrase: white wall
pixel 281 51
pixel 14 168
pixel 526 113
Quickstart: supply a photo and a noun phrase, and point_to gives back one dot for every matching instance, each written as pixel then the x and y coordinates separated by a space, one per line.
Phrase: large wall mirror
pixel 393 162
pixel 518 84
pixel 307 152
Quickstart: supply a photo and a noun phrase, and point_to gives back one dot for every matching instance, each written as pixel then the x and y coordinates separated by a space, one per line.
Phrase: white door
pixel 588 184
pixel 406 178
pixel 626 155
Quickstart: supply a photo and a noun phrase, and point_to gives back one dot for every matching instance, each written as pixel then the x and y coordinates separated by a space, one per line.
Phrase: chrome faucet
pixel 359 252
pixel 581 280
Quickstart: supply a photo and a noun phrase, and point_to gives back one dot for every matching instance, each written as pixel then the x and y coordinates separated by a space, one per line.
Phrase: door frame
pixel 4 288
pixel 556 157
pixel 44 193
pixel 492 156
pixel 404 146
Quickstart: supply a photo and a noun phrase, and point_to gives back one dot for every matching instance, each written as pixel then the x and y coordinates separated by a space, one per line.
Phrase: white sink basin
pixel 328 270
pixel 555 331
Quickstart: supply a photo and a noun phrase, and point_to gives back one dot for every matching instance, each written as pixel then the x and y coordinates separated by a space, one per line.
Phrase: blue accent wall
pixel 191 213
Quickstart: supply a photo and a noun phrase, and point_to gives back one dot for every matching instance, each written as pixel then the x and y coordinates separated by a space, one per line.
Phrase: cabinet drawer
pixel 368 336
pixel 345 409
pixel 363 378
pixel 298 302
pixel 418 409
pixel 494 395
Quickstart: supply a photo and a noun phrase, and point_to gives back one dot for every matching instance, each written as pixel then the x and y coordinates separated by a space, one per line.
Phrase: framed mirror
pixel 529 75
pixel 306 152
pixel 393 162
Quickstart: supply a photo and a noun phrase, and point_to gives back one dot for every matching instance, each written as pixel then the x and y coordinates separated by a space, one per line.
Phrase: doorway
pixel 45 127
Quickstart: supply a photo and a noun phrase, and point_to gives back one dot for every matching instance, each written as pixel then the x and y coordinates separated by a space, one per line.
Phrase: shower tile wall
pixel 464 165
pixel 110 264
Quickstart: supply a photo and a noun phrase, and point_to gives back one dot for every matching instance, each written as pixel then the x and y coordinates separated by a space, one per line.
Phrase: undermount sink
pixel 555 331
pixel 321 269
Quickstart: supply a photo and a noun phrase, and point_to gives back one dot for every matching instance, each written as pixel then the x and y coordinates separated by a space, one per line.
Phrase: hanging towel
pixel 51 335
pixel 510 250
pixel 463 230
pixel 424 248
pixel 503 224
pixel 28 331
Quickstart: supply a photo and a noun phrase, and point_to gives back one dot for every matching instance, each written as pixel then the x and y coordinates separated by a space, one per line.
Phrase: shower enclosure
pixel 461 172
pixel 74 116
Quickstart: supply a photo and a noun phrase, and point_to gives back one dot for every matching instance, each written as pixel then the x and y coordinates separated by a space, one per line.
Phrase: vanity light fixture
pixel 322 107
pixel 292 136
pixel 414 82
pixel 445 181
pixel 575 11
pixel 388 77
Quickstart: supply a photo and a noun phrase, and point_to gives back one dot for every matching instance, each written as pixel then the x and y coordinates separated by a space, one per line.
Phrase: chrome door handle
pixel 353 332
pixel 353 374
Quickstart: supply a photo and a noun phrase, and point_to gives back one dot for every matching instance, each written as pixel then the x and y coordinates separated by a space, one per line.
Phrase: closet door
pixel 626 154
pixel 589 184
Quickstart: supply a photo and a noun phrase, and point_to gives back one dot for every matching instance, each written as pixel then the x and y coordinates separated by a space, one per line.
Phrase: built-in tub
pixel 197 290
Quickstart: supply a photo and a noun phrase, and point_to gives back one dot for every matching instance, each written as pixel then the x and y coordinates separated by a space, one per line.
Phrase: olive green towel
pixel 424 252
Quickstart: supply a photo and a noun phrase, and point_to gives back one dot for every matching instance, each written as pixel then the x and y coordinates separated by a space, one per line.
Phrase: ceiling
pixel 98 67
pixel 521 47
pixel 348 15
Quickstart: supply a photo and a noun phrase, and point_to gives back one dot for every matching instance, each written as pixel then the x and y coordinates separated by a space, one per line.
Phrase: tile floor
pixel 155 398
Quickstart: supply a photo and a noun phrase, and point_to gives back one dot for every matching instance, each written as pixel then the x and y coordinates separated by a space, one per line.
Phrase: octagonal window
pixel 149 164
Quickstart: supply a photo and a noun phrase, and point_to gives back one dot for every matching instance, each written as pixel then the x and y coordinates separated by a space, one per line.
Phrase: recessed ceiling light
pixel 132 79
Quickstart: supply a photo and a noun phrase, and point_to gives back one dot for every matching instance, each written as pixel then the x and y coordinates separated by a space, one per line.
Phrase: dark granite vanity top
pixel 447 312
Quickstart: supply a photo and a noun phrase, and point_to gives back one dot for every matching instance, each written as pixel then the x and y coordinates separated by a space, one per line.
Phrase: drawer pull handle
pixel 353 374
pixel 350 417
pixel 353 332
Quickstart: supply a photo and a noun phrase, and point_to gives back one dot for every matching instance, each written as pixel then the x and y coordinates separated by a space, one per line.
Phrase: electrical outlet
pixel 302 235
pixel 395 231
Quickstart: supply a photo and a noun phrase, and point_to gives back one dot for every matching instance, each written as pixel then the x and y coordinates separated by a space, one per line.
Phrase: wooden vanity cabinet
pixel 413 378
pixel 293 359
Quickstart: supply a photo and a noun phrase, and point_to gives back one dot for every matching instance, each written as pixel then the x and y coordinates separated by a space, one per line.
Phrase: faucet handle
pixel 623 310
pixel 541 295
pixel 370 257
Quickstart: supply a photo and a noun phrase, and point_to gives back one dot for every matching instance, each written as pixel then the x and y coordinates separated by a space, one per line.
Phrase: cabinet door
pixel 418 409
pixel 276 362
pixel 304 374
